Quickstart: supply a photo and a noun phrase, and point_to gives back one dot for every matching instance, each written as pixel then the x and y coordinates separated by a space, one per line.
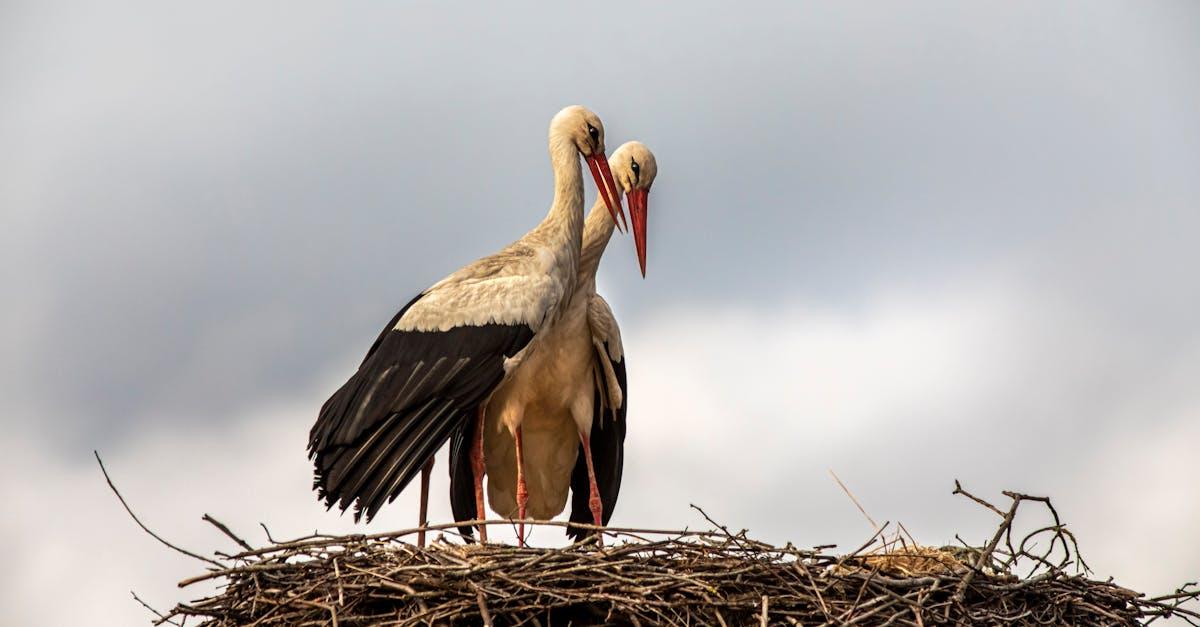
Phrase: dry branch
pixel 656 577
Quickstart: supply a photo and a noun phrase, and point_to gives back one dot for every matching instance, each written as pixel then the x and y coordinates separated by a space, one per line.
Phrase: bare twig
pixel 161 617
pixel 144 527
pixel 874 525
pixel 958 490
pixel 986 554
pixel 225 530
pixel 268 532
pixel 484 614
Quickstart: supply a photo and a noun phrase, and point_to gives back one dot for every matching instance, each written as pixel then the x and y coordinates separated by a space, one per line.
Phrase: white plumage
pixel 445 352
pixel 575 378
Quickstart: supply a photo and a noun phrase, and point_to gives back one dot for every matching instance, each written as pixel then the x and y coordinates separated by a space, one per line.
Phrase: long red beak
pixel 638 208
pixel 598 164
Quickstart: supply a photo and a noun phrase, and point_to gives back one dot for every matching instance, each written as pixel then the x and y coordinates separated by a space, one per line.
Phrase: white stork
pixel 555 408
pixel 441 357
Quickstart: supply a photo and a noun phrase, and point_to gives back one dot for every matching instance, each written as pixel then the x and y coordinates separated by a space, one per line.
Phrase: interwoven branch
pixel 657 577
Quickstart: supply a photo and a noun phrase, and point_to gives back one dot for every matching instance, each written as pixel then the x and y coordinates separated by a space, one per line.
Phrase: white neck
pixel 597 230
pixel 568 181
pixel 561 231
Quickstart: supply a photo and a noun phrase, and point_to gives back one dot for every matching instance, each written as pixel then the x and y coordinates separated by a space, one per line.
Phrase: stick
pixel 219 525
pixel 161 617
pixel 483 609
pixel 144 527
pixel 856 503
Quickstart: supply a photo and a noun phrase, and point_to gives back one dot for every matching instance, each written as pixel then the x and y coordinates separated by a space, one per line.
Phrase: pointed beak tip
pixel 638 209
pixel 608 188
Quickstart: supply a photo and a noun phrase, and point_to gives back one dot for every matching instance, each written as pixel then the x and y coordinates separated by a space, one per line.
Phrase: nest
pixel 656 577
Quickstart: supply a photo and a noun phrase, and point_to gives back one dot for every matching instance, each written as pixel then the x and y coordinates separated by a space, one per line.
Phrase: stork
pixel 559 423
pixel 444 354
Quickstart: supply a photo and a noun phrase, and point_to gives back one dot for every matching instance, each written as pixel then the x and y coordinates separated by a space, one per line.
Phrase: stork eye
pixel 593 132
pixel 633 165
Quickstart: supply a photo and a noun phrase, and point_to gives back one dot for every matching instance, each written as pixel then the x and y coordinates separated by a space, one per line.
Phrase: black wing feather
pixel 408 397
pixel 608 455
pixel 462 476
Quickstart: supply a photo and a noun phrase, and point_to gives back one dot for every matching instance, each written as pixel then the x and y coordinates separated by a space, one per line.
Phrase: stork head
pixel 634 167
pixel 584 129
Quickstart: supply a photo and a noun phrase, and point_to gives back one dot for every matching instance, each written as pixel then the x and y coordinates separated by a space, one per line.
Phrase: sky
pixel 910 243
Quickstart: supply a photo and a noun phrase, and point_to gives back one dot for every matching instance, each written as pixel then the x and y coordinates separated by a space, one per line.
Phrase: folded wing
pixel 439 359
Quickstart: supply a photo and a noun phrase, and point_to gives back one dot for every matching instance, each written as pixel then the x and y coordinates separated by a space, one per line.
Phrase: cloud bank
pixel 921 385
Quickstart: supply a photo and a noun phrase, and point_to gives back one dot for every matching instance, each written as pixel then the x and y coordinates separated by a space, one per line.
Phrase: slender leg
pixel 477 466
pixel 425 472
pixel 522 489
pixel 594 502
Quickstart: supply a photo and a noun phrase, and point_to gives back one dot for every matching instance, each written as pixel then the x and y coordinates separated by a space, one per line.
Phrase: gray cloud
pixel 895 397
pixel 207 209
pixel 215 204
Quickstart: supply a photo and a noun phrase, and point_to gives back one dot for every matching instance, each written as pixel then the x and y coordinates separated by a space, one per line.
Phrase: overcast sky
pixel 909 242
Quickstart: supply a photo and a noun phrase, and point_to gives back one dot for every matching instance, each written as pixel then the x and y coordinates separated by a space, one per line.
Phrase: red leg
pixel 424 517
pixel 594 502
pixel 478 468
pixel 522 490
